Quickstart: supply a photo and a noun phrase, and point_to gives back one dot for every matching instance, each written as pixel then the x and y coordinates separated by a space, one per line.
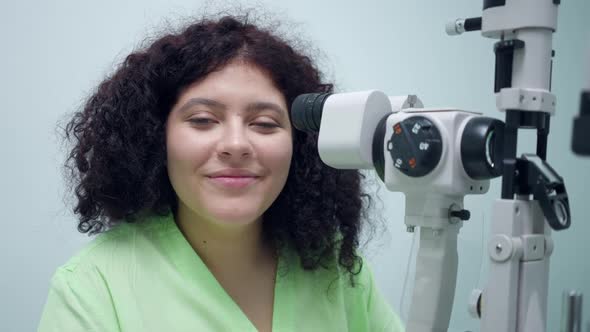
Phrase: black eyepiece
pixel 481 148
pixel 581 135
pixel 306 111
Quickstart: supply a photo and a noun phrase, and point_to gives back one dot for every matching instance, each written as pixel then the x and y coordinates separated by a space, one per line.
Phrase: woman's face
pixel 229 146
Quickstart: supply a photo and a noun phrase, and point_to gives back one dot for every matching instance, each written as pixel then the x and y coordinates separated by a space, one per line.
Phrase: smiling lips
pixel 233 181
pixel 233 178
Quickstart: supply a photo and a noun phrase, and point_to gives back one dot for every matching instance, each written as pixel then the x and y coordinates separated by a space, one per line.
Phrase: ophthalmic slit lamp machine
pixel 436 156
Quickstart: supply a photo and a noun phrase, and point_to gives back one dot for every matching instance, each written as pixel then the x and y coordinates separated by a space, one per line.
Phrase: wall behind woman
pixel 53 55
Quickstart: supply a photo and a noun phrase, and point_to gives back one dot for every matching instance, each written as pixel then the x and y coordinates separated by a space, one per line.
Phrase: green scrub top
pixel 145 276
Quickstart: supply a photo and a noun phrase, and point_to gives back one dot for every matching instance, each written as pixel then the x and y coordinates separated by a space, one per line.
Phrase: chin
pixel 235 217
pixel 239 210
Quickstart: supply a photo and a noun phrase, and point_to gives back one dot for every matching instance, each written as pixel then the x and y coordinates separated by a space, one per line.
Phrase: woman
pixel 214 213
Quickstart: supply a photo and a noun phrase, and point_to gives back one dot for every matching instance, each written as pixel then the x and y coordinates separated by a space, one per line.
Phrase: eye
pixel 265 122
pixel 265 125
pixel 201 121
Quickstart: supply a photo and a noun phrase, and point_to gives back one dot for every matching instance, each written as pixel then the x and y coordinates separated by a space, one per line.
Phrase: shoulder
pixel 370 307
pixel 360 304
pixel 118 245
pixel 85 292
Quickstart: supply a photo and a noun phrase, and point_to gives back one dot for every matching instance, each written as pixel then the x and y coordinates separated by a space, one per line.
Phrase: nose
pixel 235 144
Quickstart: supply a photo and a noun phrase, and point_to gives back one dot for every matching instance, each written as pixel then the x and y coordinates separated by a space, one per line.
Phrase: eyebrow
pixel 252 107
pixel 201 101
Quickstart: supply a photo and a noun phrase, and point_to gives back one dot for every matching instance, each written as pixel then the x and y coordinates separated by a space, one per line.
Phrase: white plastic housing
pixel 520 246
pixel 531 67
pixel 448 178
pixel 348 124
pixel 399 103
pixel 435 281
pixel 501 20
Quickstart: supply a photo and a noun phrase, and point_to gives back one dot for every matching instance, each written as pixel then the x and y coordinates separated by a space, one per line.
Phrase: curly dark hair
pixel 117 166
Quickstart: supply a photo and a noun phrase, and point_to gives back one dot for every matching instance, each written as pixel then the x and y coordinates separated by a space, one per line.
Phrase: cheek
pixel 184 151
pixel 278 154
pixel 286 157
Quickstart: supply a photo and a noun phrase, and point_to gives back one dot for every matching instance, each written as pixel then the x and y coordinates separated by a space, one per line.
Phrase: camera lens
pixel 561 212
pixel 481 147
pixel 306 111
pixel 490 145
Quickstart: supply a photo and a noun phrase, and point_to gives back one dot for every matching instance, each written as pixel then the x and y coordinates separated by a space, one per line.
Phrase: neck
pixel 223 247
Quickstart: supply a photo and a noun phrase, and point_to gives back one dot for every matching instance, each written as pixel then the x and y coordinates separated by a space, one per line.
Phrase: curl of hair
pixel 117 166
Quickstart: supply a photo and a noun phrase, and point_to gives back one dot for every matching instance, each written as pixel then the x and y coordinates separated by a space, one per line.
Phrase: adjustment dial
pixel 415 146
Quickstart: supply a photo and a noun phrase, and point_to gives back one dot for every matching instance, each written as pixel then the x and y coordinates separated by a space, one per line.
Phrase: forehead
pixel 236 80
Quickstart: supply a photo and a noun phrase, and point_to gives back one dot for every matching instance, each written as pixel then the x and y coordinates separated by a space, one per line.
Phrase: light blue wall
pixel 53 53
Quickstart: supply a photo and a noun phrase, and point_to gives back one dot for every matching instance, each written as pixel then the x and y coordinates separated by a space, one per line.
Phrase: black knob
pixel 461 214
